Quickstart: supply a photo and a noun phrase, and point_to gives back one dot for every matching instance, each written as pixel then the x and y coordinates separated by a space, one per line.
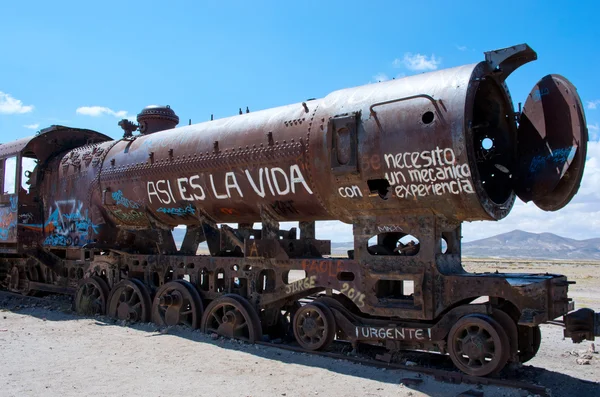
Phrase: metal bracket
pixel 344 143
pixel 434 102
pixel 506 60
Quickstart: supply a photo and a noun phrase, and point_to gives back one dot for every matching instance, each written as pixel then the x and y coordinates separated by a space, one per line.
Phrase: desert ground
pixel 586 274
pixel 46 350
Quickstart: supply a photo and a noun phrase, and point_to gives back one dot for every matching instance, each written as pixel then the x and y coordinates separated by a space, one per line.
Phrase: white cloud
pixel 96 111
pixel 461 47
pixel 593 105
pixel 417 62
pixel 11 105
pixel 32 126
pixel 380 77
pixel 593 131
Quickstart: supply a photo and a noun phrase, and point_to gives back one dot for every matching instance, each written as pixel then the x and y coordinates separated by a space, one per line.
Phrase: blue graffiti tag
pixel 538 94
pixel 13 204
pixel 58 240
pixel 8 222
pixel 5 231
pixel 188 210
pixel 557 158
pixel 124 201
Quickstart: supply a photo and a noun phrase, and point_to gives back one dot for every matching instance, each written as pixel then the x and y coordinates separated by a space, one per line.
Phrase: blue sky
pixel 109 59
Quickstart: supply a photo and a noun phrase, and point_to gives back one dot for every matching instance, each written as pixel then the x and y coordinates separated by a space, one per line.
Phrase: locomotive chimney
pixel 157 118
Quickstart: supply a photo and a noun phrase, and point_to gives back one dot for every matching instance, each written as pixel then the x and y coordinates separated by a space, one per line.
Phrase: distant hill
pixel 520 244
pixel 515 244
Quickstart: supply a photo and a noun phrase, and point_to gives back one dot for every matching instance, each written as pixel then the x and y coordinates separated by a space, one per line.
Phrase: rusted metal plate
pixel 14 147
pixel 552 144
pixel 51 141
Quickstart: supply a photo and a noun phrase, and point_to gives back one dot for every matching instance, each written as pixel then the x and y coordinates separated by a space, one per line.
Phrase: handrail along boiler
pixel 84 214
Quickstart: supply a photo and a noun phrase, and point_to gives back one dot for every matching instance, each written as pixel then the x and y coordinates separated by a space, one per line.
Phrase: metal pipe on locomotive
pixel 415 156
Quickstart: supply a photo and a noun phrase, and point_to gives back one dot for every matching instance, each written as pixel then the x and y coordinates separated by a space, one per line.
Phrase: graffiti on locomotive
pixel 8 223
pixel 429 172
pixel 68 224
pixel 393 333
pixel 263 182
pixel 301 285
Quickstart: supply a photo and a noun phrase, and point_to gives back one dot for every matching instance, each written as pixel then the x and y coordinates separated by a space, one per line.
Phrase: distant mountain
pixel 520 244
pixel 516 244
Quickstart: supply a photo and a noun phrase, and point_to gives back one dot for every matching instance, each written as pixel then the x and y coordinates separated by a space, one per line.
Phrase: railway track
pixel 365 357
pixel 439 374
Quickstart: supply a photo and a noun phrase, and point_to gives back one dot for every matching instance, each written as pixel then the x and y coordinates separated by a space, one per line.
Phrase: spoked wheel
pixel 175 303
pixel 530 339
pixel 91 296
pixel 314 326
pixel 129 300
pixel 195 296
pixel 233 317
pixel 478 346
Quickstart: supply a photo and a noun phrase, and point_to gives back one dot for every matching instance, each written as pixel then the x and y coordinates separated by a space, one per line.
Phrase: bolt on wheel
pixel 478 346
pixel 129 300
pixel 314 326
pixel 91 296
pixel 232 317
pixel 175 304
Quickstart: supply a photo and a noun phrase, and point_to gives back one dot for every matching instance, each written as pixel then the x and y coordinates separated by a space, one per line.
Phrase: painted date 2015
pixel 356 296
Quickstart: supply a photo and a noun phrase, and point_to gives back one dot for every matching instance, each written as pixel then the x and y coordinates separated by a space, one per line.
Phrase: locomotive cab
pixel 17 199
pixel 22 167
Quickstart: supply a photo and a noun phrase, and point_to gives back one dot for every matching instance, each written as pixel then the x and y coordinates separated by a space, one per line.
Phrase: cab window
pixel 10 176
pixel 27 166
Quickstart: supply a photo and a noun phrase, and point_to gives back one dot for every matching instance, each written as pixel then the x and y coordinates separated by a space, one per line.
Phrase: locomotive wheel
pixel 232 316
pixel 195 296
pixel 510 327
pixel 478 345
pixel 175 304
pixel 91 296
pixel 129 300
pixel 530 339
pixel 314 326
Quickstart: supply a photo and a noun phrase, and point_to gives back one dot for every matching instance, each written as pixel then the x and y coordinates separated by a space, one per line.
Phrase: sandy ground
pixel 68 356
pixel 47 351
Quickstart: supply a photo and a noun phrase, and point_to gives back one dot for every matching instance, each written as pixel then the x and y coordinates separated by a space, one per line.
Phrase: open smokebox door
pixel 552 144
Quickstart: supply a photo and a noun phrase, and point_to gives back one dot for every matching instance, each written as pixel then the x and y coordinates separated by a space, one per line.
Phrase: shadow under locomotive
pixel 557 382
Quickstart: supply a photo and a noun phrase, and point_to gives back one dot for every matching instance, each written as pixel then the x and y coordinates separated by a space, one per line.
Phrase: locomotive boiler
pixel 404 161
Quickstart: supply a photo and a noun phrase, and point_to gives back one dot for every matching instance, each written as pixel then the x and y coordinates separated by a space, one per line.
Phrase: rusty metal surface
pixel 552 144
pixel 11 148
pixel 50 141
pixel 404 161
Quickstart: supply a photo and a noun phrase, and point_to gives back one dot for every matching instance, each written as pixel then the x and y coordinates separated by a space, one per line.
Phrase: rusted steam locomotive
pixel 84 214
